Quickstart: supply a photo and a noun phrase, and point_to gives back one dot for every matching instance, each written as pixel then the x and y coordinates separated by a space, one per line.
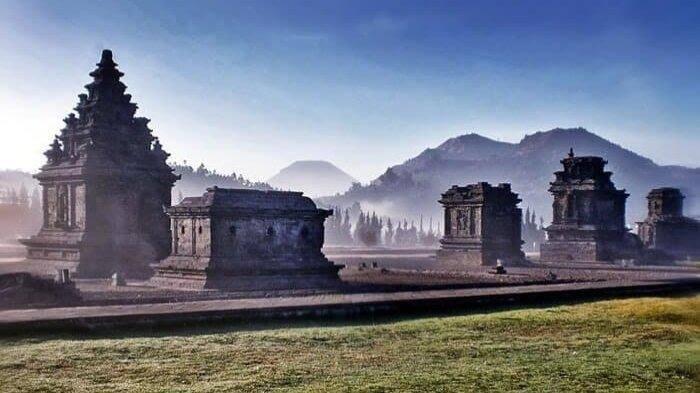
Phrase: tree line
pixel 532 234
pixel 20 212
pixel 369 229
pixel 195 181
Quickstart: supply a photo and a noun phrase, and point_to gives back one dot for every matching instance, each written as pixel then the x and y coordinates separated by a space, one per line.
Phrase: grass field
pixel 636 345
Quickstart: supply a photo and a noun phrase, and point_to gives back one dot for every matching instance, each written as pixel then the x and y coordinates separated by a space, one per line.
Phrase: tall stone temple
pixel 666 230
pixel 588 222
pixel 482 225
pixel 105 186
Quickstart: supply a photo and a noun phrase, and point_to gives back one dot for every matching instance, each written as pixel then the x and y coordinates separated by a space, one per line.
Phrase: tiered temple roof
pixel 106 127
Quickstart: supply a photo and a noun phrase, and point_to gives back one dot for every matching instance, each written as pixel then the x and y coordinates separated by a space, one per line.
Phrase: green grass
pixel 636 345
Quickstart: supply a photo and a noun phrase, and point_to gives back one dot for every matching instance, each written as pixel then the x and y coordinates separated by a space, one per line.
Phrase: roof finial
pixel 106 59
pixel 571 152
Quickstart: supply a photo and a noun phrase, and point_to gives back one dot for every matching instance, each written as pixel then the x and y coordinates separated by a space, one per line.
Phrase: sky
pixel 251 86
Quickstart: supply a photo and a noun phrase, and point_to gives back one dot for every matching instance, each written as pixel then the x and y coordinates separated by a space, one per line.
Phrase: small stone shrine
pixel 482 225
pixel 247 240
pixel 666 229
pixel 588 222
pixel 105 184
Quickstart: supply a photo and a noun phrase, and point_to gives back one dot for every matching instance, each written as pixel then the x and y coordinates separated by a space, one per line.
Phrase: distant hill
pixel 194 182
pixel 413 188
pixel 314 178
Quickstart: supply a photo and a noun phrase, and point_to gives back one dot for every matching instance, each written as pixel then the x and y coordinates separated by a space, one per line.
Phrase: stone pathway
pixel 330 304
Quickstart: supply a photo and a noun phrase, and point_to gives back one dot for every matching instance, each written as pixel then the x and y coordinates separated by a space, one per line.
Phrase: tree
pixel 347 227
pixel 430 238
pixel 14 199
pixel 23 197
pixel 337 228
pixel 389 234
pixel 406 236
pixel 368 229
pixel 35 200
pixel 202 170
pixel 527 216
pixel 359 228
pixel 532 235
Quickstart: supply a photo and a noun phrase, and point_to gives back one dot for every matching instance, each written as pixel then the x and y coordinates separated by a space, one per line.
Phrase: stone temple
pixel 482 225
pixel 588 223
pixel 246 240
pixel 105 186
pixel 665 229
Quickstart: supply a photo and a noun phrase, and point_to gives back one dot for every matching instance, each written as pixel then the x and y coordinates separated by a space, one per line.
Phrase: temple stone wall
pixel 246 240
pixel 666 230
pixel 588 222
pixel 580 251
pixel 482 225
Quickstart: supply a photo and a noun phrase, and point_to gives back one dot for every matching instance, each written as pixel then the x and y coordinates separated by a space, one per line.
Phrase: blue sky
pixel 253 86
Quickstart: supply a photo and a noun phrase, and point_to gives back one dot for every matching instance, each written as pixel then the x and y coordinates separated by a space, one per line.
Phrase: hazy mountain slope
pixel 314 178
pixel 413 187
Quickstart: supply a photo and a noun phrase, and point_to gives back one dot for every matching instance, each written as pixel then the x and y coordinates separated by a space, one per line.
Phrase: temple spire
pixel 106 105
pixel 106 60
pixel 106 66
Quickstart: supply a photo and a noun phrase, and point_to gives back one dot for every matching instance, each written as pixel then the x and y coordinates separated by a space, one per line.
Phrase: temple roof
pixel 665 192
pixel 478 192
pixel 584 169
pixel 228 198
pixel 105 133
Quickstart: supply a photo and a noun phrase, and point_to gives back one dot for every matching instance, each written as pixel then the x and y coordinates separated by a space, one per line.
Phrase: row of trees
pixel 20 212
pixel 372 230
pixel 532 234
pixel 195 181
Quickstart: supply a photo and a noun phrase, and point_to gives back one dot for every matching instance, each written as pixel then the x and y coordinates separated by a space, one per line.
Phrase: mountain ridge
pixel 413 187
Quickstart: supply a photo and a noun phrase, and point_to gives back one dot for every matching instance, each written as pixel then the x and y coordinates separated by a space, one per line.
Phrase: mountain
pixel 413 188
pixel 314 178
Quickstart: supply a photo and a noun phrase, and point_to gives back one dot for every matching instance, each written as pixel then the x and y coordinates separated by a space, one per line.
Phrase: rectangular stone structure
pixel 588 223
pixel 105 184
pixel 247 240
pixel 482 225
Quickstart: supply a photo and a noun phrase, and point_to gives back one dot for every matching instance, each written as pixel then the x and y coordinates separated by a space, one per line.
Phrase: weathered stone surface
pixel 588 222
pixel 105 184
pixel 246 240
pixel 482 224
pixel 666 230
